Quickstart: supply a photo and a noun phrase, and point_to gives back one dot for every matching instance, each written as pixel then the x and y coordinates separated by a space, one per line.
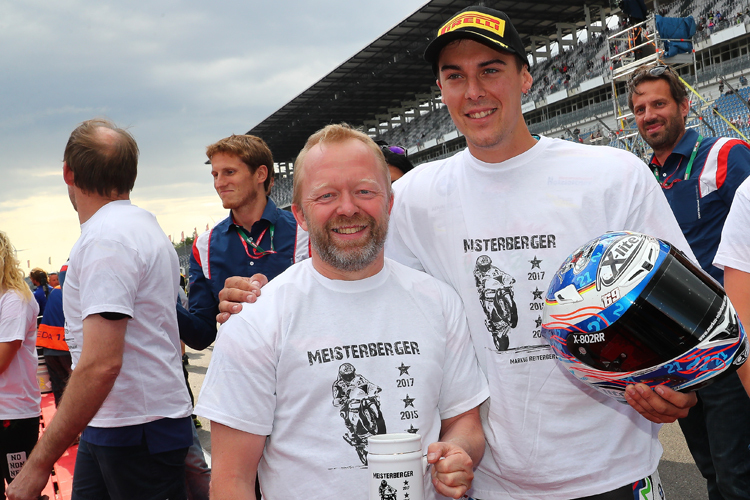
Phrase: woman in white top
pixel 20 399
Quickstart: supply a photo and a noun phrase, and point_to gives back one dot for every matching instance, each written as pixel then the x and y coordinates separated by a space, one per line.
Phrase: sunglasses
pixel 399 150
pixel 656 72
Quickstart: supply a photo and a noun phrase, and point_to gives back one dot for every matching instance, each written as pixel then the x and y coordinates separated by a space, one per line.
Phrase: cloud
pixel 179 75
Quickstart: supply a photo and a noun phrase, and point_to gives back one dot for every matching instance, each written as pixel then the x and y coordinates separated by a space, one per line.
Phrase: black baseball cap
pixel 481 24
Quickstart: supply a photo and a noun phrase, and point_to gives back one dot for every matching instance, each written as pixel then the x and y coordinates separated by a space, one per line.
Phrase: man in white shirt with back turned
pixel 126 394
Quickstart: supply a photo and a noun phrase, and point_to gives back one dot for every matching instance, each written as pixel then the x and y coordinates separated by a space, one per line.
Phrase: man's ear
pixel 528 80
pixel 299 215
pixel 685 108
pixel 68 176
pixel 261 174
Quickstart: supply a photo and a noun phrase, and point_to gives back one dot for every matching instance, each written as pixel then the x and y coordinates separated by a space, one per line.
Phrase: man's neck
pixel 87 205
pixel 511 146
pixel 333 273
pixel 249 214
pixel 663 153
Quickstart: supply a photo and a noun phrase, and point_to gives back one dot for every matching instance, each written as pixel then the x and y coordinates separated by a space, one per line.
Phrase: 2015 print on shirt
pixel 502 291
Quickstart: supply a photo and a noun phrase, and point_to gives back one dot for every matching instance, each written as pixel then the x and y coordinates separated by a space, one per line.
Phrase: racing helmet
pixel 629 308
pixel 347 372
pixel 483 263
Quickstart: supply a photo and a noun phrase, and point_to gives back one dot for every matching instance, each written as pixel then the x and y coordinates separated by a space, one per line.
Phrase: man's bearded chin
pixel 351 258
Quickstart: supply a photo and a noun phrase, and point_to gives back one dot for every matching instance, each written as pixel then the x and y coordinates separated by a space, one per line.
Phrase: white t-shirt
pixel 124 263
pixel 734 249
pixel 19 388
pixel 275 364
pixel 549 436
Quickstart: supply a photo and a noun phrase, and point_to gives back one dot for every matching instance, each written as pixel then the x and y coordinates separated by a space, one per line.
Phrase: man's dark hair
pixel 252 150
pixel 102 162
pixel 401 162
pixel 644 74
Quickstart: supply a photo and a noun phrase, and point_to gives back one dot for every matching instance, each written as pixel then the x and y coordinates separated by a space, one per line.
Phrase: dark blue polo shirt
pixel 701 203
pixel 227 256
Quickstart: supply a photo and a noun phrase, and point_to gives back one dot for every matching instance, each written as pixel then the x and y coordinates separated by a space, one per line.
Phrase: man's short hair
pixel 100 163
pixel 332 134
pixel 252 150
pixel 646 74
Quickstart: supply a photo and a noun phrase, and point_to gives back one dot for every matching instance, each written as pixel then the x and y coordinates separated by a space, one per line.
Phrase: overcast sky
pixel 179 74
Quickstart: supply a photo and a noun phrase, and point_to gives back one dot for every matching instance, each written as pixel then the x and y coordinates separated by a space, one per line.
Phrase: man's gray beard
pixel 348 260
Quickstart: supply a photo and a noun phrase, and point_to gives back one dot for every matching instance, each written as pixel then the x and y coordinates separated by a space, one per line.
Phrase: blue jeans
pixel 717 431
pixel 128 473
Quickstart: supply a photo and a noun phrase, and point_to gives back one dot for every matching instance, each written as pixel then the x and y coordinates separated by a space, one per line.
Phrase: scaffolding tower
pixel 628 50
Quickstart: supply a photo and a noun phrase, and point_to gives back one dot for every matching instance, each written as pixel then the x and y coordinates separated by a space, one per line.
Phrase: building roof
pixel 391 70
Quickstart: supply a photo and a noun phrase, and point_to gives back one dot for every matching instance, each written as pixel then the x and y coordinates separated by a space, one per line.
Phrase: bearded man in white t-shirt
pixel 126 394
pixel 346 331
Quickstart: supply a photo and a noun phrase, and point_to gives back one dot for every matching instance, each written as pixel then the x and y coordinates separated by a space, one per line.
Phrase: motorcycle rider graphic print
pixel 359 402
pixel 495 290
pixel 386 491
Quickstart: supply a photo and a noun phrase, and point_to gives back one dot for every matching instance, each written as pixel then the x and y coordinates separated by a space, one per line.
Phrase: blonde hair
pixel 11 276
pixel 332 134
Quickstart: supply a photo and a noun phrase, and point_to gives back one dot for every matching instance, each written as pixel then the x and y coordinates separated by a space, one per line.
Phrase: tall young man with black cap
pixel 527 202
pixel 699 177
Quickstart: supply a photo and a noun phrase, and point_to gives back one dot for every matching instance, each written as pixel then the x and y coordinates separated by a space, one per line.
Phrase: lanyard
pixel 666 184
pixel 247 241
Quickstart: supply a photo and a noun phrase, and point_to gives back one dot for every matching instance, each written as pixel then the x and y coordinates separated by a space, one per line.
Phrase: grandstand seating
pixel 588 60
pixel 281 192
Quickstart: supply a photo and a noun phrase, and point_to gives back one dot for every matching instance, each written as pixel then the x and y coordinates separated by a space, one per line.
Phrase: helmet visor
pixel 672 314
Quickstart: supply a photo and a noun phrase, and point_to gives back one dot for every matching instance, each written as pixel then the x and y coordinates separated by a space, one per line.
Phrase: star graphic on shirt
pixel 406 483
pixel 538 321
pixel 537 294
pixel 403 369
pixel 406 496
pixel 535 263
pixel 412 429
pixel 408 401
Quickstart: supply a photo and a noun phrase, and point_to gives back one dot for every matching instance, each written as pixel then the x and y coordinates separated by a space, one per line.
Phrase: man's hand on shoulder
pixel 236 291
pixel 452 468
pixel 661 405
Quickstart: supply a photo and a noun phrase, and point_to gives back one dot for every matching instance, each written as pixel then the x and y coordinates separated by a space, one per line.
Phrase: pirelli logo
pixel 475 20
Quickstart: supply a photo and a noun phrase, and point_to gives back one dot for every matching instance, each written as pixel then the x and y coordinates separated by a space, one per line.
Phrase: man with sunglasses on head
pixel 255 238
pixel 699 177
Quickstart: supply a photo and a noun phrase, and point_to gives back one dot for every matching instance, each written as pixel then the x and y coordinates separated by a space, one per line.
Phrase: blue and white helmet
pixel 628 308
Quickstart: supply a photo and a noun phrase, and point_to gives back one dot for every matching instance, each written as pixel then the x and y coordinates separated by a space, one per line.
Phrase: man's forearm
pixel 196 331
pixel 465 431
pixel 87 389
pixel 737 286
